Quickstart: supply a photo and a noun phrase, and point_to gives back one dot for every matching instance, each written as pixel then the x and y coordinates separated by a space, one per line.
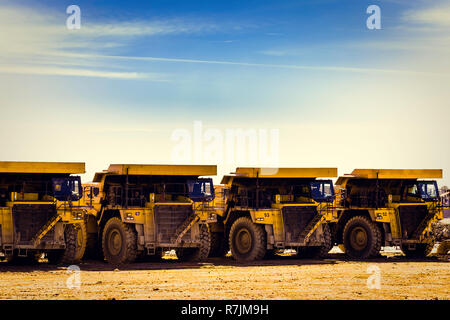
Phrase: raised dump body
pixel 268 209
pixel 143 210
pixel 40 210
pixel 387 207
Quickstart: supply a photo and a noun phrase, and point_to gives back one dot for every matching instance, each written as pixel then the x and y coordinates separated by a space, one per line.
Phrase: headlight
pixel 77 215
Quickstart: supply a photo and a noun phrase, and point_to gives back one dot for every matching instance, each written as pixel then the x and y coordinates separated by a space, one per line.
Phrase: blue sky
pixel 339 93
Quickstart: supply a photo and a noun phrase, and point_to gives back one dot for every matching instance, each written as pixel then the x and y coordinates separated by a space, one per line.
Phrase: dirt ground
pixel 286 277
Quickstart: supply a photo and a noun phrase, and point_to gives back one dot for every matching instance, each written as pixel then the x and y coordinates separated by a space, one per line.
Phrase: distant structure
pixel 445 200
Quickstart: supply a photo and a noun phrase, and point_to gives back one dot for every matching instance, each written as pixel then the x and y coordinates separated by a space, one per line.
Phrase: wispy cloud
pixel 276 53
pixel 260 65
pixel 37 42
pixel 98 57
pixel 141 28
pixel 282 66
pixel 56 71
pixel 436 15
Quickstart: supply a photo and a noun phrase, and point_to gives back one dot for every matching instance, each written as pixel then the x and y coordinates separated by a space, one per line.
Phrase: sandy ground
pixel 286 277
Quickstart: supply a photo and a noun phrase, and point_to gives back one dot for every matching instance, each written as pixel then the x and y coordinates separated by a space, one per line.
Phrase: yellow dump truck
pixel 386 207
pixel 140 211
pixel 268 209
pixel 40 210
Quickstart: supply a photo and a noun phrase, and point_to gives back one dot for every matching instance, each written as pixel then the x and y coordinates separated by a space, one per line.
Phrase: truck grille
pixel 168 218
pixel 29 218
pixel 295 219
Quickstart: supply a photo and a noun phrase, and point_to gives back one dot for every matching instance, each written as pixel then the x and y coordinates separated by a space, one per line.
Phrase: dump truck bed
pixel 247 172
pixel 158 170
pixel 391 174
pixel 42 167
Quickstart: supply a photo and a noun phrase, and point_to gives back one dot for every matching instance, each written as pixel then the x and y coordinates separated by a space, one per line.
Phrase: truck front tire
pixel 69 254
pixel 361 238
pixel 81 229
pixel 219 245
pixel 119 242
pixel 247 240
pixel 318 251
pixel 200 253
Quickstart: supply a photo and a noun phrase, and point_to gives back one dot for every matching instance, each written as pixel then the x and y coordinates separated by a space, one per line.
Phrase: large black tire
pixel 81 229
pixel 328 242
pixel 200 253
pixel 334 233
pixel 219 245
pixel 247 240
pixel 361 238
pixel 318 251
pixel 422 250
pixel 93 240
pixel 68 255
pixel 119 242
pixel 93 247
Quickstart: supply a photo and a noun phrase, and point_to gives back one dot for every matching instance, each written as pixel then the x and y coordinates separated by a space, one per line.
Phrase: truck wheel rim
pixel 115 242
pixel 358 238
pixel 243 241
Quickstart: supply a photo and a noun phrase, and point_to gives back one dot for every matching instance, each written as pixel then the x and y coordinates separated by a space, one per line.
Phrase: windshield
pixel 322 191
pixel 428 190
pixel 201 190
pixel 67 188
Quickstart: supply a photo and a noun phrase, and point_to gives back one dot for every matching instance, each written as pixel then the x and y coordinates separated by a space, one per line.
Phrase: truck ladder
pixel 184 227
pixel 311 227
pixel 45 229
